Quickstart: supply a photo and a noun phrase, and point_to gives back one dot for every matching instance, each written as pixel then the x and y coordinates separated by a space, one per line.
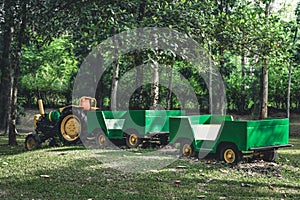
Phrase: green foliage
pixel 50 68
pixel 228 30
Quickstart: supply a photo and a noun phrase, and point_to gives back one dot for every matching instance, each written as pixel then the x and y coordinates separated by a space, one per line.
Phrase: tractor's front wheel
pixel 71 125
pixel 32 142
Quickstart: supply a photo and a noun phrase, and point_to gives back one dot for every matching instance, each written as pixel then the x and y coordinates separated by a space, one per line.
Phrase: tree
pixel 6 77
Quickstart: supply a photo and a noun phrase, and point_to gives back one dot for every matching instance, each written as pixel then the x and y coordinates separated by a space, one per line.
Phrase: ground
pixel 74 173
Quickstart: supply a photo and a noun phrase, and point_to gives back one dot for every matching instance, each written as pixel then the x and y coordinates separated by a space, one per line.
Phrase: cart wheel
pixel 270 155
pixel 71 125
pixel 229 153
pixel 132 139
pixel 32 142
pixel 186 148
pixel 164 140
pixel 101 140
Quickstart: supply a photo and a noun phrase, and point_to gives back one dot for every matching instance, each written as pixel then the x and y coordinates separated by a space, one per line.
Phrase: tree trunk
pixel 16 71
pixel 243 94
pixel 155 77
pixel 264 90
pixel 288 102
pixel 139 80
pixel 5 88
pixel 12 140
pixel 115 79
pixel 139 104
pixel 264 75
pixel 170 85
pixel 210 90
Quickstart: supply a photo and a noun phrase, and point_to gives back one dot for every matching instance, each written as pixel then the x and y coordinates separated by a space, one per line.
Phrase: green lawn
pixel 73 173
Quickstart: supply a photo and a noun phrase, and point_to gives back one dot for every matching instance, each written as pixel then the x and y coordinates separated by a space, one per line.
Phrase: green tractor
pixel 68 123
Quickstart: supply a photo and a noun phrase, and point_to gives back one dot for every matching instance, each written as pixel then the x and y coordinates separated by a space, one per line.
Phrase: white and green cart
pixel 229 139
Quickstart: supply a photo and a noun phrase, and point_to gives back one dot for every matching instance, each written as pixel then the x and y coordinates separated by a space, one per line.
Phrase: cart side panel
pixel 114 122
pixel 233 132
pixel 199 119
pixel 158 120
pixel 95 120
pixel 267 132
pixel 135 119
pixel 180 128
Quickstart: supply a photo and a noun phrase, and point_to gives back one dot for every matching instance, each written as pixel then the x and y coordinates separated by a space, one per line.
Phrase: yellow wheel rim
pixel 229 156
pixel 70 127
pixel 30 143
pixel 133 139
pixel 187 150
pixel 101 140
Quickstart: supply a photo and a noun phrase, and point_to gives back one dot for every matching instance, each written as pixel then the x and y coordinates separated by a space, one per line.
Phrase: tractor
pixel 68 123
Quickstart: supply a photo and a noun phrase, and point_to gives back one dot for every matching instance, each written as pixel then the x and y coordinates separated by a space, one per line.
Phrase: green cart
pixel 133 126
pixel 227 138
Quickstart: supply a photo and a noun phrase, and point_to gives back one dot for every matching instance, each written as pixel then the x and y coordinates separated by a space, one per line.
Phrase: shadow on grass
pixel 66 148
pixel 87 179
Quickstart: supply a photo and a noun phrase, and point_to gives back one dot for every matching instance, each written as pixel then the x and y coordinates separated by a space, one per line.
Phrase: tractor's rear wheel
pixel 72 125
pixel 32 142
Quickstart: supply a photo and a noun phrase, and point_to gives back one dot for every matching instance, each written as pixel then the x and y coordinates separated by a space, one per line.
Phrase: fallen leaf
pixel 271 187
pixel 224 171
pixel 181 167
pixel 246 185
pixel 44 176
pixel 177 182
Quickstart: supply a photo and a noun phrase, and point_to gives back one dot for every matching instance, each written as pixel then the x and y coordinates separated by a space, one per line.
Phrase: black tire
pixel 72 125
pixel 52 142
pixel 270 155
pixel 186 148
pixel 164 140
pixel 132 139
pixel 32 142
pixel 229 153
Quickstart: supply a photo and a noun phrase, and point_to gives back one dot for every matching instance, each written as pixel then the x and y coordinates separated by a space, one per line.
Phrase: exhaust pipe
pixel 40 103
pixel 41 106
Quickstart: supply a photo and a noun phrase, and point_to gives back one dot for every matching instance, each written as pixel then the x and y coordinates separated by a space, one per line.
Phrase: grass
pixel 74 173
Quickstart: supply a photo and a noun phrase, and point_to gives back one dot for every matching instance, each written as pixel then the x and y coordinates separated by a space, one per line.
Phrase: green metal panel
pixel 180 127
pixel 234 132
pixel 267 132
pixel 102 120
pixel 158 120
pixel 150 121
pixel 200 119
pixel 114 121
pixel 95 120
pixel 135 119
pixel 254 133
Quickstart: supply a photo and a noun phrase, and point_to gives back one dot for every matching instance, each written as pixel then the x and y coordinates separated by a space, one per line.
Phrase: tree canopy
pixel 256 50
